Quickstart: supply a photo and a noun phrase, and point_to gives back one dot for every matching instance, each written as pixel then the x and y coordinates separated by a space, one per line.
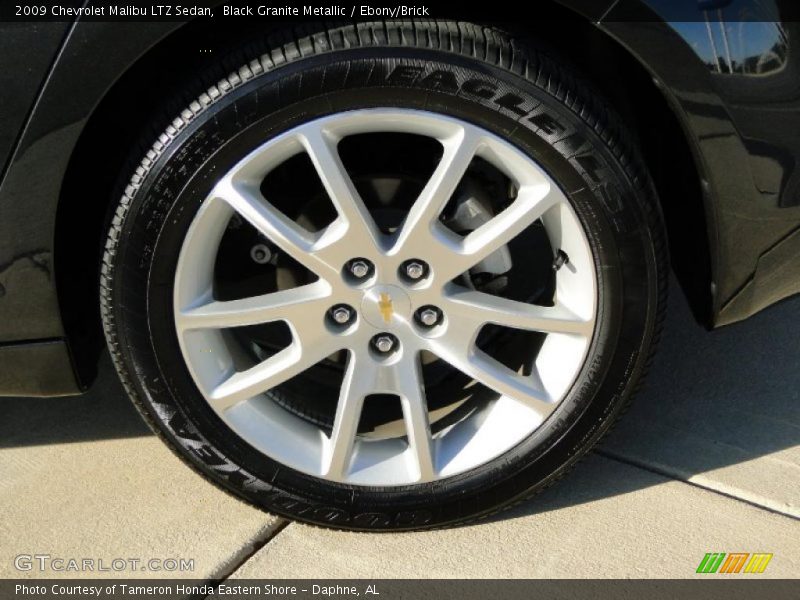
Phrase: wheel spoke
pixel 363 377
pixel 481 308
pixel 322 151
pixel 264 376
pixel 525 389
pixel 289 305
pixel 415 414
pixel 459 151
pixel 290 237
pixel 532 202
pixel 355 387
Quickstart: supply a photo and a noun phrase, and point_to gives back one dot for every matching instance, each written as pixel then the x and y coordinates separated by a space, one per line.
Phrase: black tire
pixel 477 74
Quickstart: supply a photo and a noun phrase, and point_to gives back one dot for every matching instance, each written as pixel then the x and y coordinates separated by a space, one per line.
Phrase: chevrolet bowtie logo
pixel 385 306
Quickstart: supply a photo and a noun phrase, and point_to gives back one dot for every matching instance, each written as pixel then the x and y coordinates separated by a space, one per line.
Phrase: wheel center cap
pixel 386 306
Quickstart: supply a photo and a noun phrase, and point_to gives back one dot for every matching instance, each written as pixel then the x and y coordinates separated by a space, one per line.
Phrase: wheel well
pixel 660 135
pixel 146 97
pixel 120 130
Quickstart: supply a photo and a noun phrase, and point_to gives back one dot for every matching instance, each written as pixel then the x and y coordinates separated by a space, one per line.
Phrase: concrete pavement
pixel 575 529
pixel 85 478
pixel 707 460
pixel 722 409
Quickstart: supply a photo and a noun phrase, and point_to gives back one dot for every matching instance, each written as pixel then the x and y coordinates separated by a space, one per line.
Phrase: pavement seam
pixel 271 531
pixel 676 475
pixel 266 535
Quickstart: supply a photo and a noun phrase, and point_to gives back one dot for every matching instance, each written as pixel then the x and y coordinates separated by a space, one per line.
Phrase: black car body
pixel 712 89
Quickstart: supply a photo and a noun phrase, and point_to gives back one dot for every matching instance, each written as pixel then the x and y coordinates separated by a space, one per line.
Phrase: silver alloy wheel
pixel 385 302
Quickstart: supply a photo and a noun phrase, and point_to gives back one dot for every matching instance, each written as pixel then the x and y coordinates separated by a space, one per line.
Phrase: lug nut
pixel 341 314
pixel 415 270
pixel 261 254
pixel 359 269
pixel 383 343
pixel 429 316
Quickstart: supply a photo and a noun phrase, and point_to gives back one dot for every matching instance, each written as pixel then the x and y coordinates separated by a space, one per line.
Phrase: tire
pixel 523 99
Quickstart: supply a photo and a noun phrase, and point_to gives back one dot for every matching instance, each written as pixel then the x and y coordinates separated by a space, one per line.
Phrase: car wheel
pixel 387 276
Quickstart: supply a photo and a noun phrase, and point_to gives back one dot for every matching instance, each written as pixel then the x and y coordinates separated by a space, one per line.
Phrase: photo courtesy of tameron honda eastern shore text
pixel 389 274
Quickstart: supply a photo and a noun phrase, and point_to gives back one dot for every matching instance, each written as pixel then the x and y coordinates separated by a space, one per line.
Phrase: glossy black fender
pixel 731 71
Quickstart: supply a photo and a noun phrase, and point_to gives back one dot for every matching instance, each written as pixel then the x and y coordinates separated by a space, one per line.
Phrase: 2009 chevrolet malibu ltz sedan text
pixel 390 275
